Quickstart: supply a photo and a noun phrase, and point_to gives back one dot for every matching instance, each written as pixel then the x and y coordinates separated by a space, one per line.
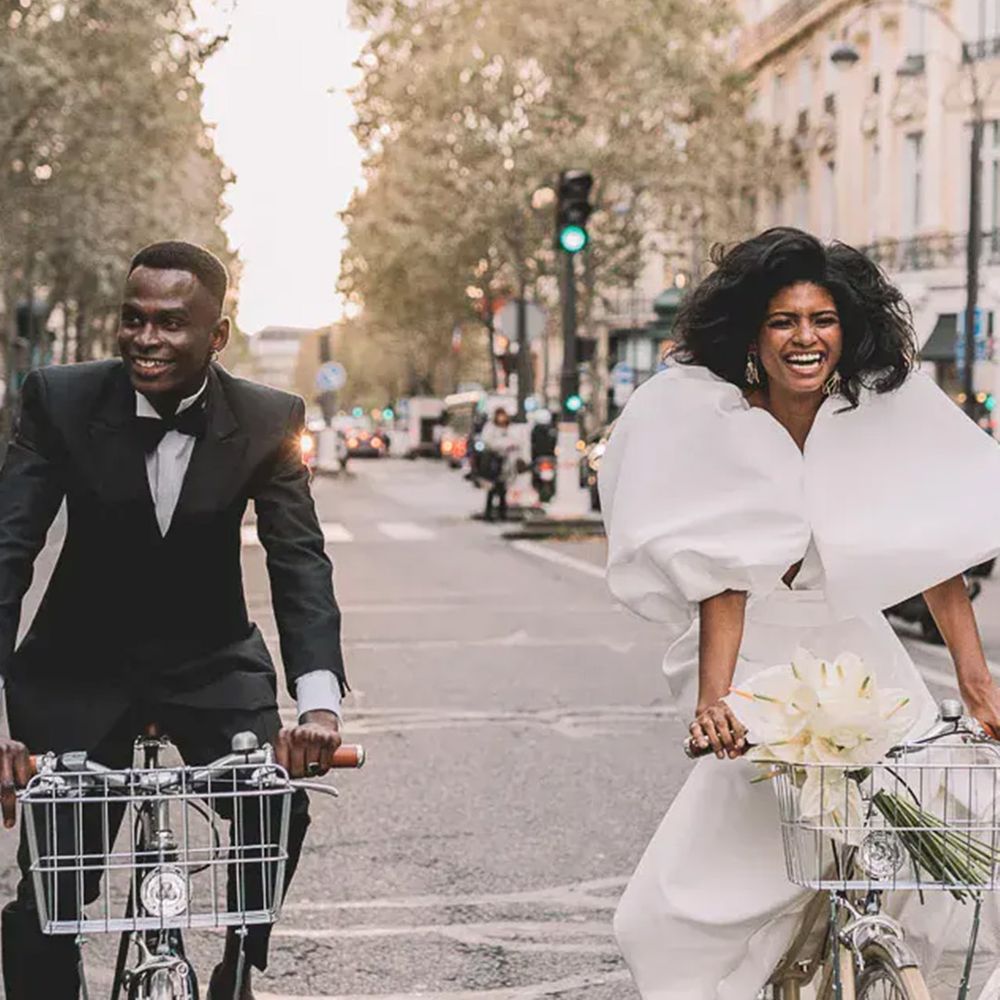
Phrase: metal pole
pixel 975 239
pixel 523 354
pixel 570 381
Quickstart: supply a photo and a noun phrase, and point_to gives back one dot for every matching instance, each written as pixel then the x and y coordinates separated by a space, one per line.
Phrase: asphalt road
pixel 522 749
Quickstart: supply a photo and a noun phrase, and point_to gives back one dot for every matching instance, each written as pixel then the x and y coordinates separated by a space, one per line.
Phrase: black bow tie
pixel 191 421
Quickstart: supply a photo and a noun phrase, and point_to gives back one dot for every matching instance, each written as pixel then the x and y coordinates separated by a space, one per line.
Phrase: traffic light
pixel 990 402
pixel 357 412
pixel 573 403
pixel 573 210
pixel 387 413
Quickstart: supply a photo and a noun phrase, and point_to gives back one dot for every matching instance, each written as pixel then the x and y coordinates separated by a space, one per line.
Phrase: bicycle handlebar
pixel 347 755
pixel 951 722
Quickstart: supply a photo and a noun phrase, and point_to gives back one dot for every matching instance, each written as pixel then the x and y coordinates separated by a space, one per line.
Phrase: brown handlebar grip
pixel 32 766
pixel 349 755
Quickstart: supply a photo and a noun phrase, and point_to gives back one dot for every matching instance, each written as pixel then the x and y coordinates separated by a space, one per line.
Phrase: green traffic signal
pixel 573 403
pixel 387 413
pixel 573 238
pixel 357 412
pixel 990 403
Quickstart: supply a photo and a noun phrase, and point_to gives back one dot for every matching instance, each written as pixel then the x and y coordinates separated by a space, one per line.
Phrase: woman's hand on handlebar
pixel 15 772
pixel 306 750
pixel 717 727
pixel 982 701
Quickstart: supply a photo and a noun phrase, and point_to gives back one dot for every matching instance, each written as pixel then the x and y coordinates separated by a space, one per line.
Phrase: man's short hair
pixel 176 255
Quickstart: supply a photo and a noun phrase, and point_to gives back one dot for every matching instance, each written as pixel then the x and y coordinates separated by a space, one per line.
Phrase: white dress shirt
pixel 166 468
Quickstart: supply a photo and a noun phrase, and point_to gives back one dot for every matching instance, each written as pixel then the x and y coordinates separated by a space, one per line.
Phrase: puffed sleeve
pixel 902 493
pixel 700 494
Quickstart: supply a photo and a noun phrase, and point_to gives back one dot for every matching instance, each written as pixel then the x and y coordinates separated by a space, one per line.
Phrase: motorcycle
pixel 543 477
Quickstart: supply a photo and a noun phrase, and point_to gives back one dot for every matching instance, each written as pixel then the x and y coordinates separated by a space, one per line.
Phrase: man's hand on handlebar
pixel 306 750
pixel 717 727
pixel 15 772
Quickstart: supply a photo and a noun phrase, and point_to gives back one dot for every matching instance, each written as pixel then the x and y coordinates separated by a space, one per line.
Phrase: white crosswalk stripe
pixel 332 532
pixel 405 531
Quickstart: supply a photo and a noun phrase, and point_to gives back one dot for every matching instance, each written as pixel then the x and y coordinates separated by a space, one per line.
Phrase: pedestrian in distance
pixel 157 455
pixel 786 477
pixel 501 462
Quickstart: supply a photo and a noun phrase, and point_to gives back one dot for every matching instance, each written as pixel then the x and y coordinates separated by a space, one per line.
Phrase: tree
pixel 467 107
pixel 102 149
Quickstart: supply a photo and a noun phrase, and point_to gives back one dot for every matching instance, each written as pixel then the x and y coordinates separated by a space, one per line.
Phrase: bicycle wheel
pixel 881 979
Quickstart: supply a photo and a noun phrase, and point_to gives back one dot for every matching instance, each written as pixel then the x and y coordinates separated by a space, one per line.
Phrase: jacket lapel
pixel 214 473
pixel 118 454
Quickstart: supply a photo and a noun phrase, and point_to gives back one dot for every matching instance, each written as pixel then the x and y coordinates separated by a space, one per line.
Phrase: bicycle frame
pixel 166 957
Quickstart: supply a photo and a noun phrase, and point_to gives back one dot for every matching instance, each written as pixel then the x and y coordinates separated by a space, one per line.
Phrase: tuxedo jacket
pixel 132 618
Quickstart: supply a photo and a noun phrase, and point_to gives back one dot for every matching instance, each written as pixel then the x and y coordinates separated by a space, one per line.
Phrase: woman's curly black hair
pixel 723 315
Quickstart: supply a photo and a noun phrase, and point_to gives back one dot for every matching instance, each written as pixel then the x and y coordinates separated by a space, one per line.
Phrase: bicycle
pixel 172 872
pixel 846 946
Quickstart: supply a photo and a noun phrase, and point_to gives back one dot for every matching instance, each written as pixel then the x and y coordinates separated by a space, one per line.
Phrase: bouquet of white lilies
pixel 828 724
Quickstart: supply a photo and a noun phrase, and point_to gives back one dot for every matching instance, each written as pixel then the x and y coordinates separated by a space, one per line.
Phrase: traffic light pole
pixel 523 355
pixel 569 383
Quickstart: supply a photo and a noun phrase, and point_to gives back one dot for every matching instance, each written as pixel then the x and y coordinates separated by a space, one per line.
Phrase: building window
pixel 874 184
pixel 778 97
pixel 829 220
pixel 991 178
pixel 777 207
pixel 985 20
pixel 915 28
pixel 913 183
pixel 805 81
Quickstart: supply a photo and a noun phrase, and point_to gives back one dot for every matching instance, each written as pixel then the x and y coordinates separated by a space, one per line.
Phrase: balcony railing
pixel 984 48
pixel 928 253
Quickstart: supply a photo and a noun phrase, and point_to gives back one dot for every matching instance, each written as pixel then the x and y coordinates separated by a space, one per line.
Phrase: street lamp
pixel 846 55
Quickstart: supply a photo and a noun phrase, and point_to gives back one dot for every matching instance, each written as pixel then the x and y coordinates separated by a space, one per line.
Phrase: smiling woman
pixel 786 478
pixel 784 292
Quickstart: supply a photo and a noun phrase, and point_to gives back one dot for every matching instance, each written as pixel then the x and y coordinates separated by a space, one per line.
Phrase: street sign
pixel 623 374
pixel 534 320
pixel 331 377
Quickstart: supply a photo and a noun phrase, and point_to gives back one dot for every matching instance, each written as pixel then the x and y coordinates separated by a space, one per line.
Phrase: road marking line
pixel 598 893
pixel 405 531
pixel 559 558
pixel 532 991
pixel 334 532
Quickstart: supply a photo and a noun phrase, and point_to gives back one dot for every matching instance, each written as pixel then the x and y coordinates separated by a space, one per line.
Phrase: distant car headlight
pixel 164 892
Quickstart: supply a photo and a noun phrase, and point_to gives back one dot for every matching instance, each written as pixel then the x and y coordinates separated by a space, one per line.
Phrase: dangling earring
pixel 752 371
pixel 832 385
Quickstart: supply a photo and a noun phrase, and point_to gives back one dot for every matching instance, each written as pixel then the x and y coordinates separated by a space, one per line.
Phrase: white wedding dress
pixel 703 493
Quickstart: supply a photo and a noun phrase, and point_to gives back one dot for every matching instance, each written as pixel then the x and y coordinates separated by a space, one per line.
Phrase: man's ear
pixel 220 335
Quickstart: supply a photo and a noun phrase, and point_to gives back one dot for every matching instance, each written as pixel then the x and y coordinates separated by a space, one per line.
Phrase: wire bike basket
pixel 147 849
pixel 925 818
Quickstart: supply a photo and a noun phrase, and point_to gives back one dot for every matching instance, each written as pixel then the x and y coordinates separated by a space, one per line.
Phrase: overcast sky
pixel 277 92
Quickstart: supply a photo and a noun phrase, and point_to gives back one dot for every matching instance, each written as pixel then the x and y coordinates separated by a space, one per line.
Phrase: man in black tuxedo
pixel 144 619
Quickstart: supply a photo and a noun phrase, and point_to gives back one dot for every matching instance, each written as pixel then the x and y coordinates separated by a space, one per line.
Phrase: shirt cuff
pixel 318 690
